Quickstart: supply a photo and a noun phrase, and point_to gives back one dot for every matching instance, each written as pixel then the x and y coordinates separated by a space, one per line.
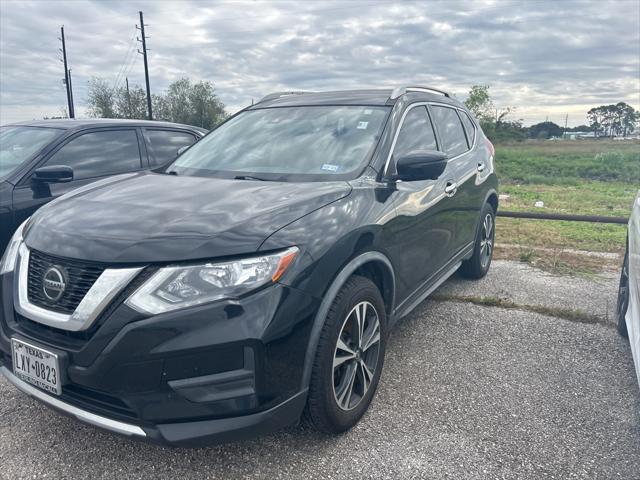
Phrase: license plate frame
pixel 36 366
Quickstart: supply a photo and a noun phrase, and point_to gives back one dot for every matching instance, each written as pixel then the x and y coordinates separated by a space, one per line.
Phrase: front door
pixel 92 155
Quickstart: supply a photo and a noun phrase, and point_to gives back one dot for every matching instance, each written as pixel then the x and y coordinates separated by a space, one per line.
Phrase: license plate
pixel 36 366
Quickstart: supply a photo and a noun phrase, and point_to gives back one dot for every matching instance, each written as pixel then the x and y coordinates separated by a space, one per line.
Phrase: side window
pixel 469 127
pixel 416 133
pixel 163 145
pixel 454 141
pixel 100 153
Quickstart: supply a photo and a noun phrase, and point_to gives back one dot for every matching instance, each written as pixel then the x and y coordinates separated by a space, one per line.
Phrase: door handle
pixel 450 189
pixel 481 167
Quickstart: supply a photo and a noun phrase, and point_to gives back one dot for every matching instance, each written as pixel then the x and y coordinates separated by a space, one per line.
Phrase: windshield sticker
pixel 368 111
pixel 330 168
pixel 362 125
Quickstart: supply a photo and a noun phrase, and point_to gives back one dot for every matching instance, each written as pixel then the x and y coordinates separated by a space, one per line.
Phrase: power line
pixel 129 65
pixel 125 62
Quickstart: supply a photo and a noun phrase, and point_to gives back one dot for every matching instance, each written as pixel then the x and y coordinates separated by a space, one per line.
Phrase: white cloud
pixel 544 57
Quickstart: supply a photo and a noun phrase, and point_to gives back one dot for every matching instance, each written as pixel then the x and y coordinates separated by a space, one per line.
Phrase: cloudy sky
pixel 546 58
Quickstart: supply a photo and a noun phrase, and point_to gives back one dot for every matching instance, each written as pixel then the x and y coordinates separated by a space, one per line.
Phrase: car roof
pixel 83 123
pixel 373 97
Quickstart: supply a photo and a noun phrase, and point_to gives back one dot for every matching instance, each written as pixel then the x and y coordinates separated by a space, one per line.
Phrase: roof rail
pixel 273 96
pixel 398 91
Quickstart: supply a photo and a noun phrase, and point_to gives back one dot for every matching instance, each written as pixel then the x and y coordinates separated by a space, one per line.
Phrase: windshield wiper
pixel 249 177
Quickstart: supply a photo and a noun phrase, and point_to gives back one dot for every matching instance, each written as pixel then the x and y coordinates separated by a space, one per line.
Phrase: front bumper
pixel 214 373
pixel 188 434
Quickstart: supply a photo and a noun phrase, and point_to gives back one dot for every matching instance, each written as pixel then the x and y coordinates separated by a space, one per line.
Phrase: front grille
pixel 80 277
pixel 52 335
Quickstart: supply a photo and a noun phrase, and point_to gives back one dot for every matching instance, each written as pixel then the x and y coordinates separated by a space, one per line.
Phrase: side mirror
pixel 421 165
pixel 53 174
pixel 183 149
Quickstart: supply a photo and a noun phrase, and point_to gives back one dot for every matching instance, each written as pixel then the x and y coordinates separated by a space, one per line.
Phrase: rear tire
pixel 623 297
pixel 349 358
pixel 478 265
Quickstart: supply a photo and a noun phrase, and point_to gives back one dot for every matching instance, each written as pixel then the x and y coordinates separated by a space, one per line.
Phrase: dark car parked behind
pixel 33 157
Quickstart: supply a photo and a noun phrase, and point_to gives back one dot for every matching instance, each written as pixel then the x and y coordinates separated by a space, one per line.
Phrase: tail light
pixel 490 146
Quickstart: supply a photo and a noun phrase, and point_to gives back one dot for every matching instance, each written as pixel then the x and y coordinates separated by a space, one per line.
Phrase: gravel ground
pixel 526 285
pixel 467 392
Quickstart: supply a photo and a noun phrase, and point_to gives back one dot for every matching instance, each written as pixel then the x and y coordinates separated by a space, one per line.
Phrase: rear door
pixel 92 154
pixel 463 202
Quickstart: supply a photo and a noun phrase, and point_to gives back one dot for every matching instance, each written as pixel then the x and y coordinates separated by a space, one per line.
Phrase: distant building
pixel 578 135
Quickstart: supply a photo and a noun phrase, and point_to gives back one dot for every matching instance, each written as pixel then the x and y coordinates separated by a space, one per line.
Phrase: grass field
pixel 579 177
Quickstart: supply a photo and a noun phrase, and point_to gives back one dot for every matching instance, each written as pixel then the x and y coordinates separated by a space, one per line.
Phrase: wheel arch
pixel 371 264
pixel 491 197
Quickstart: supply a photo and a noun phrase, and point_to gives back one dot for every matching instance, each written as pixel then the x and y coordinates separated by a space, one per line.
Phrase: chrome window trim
pixel 404 115
pixel 82 415
pixel 475 128
pixel 102 292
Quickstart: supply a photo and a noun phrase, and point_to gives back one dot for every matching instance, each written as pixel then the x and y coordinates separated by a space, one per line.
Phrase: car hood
pixel 152 217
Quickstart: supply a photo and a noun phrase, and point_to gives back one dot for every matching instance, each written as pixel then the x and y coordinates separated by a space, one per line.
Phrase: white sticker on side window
pixel 330 168
pixel 363 125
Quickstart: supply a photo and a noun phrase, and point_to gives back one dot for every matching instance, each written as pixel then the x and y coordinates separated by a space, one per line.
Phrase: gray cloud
pixel 547 58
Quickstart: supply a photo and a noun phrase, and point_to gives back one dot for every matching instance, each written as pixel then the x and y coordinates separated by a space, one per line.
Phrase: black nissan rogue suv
pixel 256 277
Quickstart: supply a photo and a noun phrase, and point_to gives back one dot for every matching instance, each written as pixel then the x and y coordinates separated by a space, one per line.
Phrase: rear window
pixel 454 140
pixel 164 144
pixel 469 127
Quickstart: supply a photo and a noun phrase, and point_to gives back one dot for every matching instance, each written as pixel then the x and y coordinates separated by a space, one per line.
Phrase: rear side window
pixel 163 145
pixel 416 133
pixel 469 127
pixel 100 153
pixel 454 140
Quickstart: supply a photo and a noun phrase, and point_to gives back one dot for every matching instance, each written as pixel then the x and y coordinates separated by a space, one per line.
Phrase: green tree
pixel 629 118
pixel 101 99
pixel 183 102
pixel 131 104
pixel 612 120
pixel 545 130
pixel 493 121
pixel 193 104
pixel 479 103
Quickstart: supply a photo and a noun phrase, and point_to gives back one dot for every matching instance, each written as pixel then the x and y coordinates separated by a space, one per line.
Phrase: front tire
pixel 349 358
pixel 478 265
pixel 623 297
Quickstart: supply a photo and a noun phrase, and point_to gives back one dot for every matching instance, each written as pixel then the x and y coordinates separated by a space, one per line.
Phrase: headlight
pixel 176 287
pixel 8 262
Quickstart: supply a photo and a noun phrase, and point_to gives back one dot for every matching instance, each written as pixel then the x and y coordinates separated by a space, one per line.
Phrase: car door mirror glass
pixel 53 174
pixel 421 165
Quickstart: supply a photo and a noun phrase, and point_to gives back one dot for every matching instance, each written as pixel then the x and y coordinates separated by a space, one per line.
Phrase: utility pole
pixel 146 65
pixel 566 120
pixel 128 97
pixel 73 108
pixel 66 75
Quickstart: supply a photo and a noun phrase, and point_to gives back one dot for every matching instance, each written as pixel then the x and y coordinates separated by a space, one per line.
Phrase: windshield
pixel 287 144
pixel 18 144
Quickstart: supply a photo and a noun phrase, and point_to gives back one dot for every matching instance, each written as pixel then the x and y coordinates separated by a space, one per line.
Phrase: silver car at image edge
pixel 629 292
